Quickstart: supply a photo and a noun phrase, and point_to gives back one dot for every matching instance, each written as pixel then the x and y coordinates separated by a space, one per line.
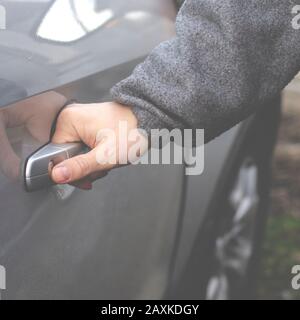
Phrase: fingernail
pixel 61 174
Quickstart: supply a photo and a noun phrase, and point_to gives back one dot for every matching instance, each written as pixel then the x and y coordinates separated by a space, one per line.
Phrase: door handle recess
pixel 38 166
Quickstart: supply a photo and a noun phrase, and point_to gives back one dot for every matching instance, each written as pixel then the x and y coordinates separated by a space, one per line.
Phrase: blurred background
pixel 282 243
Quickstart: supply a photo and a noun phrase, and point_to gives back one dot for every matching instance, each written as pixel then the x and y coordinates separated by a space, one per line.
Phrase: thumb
pixel 76 168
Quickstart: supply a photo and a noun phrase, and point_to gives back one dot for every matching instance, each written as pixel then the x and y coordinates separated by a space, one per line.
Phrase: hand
pixel 99 127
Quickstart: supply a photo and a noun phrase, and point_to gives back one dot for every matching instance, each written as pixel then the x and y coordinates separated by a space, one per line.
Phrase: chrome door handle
pixel 37 167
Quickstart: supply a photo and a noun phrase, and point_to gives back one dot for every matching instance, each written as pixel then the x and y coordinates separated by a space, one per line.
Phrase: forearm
pixel 228 58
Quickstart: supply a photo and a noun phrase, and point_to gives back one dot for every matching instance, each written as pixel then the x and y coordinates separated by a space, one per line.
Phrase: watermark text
pixel 296 278
pixel 123 146
pixel 2 17
pixel 2 279
pixel 296 18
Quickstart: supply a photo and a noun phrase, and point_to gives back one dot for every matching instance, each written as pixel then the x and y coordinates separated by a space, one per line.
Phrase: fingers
pixel 78 168
pixel 97 126
pixel 82 170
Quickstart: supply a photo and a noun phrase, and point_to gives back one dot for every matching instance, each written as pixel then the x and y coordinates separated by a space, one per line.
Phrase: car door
pixel 116 241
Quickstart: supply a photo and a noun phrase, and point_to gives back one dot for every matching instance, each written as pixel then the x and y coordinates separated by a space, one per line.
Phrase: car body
pixel 137 234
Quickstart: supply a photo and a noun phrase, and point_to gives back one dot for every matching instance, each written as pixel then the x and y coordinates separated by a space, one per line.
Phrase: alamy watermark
pixel 123 146
pixel 296 18
pixel 296 277
pixel 2 279
pixel 2 17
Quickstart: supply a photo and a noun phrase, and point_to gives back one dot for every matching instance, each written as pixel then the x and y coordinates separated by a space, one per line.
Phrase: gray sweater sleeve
pixel 229 57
